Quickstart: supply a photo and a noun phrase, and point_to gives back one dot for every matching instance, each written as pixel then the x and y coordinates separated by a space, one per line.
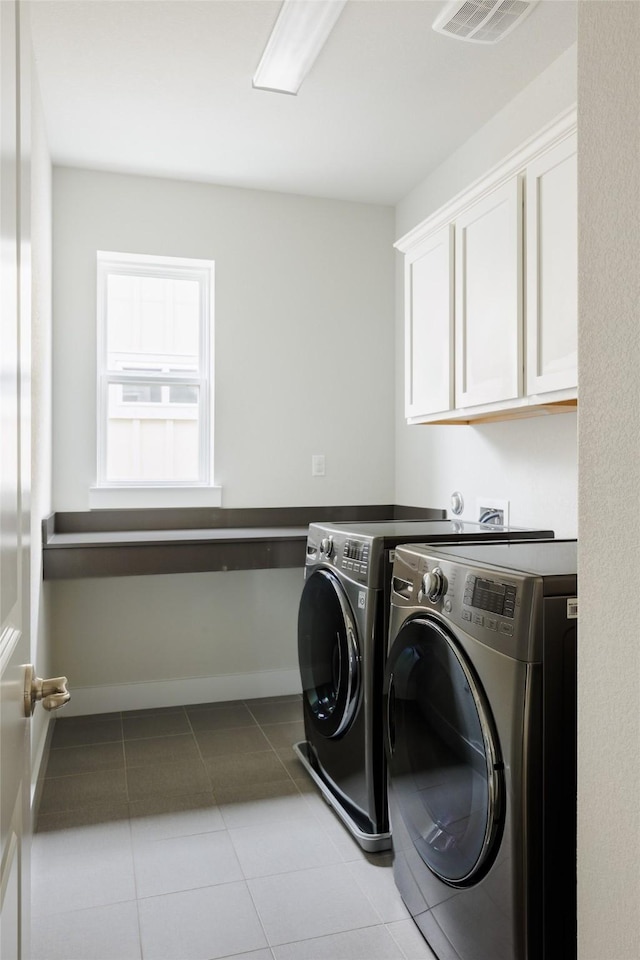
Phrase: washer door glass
pixel 446 776
pixel 328 654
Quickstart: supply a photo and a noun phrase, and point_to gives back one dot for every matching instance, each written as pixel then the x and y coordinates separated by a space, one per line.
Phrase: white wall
pixel 531 463
pixel 304 330
pixel 135 642
pixel 551 93
pixel 609 489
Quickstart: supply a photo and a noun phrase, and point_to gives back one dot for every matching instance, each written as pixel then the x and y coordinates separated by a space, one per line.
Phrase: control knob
pixel 326 546
pixel 434 584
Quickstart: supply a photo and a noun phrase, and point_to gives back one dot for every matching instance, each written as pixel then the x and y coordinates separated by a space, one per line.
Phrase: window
pixel 154 371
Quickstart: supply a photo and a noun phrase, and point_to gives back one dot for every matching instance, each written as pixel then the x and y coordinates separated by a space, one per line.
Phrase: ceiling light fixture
pixel 300 32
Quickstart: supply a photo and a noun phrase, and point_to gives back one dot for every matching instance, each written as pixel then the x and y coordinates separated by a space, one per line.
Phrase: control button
pixel 349 564
pixel 447 606
pixel 326 546
pixel 506 629
pixel 479 619
pixel 466 614
pixel 492 623
pixel 434 584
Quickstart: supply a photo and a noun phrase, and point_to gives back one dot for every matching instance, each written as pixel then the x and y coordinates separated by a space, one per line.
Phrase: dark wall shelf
pixel 123 543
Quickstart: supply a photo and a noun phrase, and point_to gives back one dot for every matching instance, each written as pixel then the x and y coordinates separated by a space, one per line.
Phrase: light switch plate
pixel 317 465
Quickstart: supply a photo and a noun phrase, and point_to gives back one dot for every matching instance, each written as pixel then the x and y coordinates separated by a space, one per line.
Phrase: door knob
pixel 53 693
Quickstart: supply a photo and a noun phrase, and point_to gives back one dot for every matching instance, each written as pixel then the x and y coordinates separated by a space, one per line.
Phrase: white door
pixel 14 516
pixel 552 270
pixel 488 302
pixel 428 334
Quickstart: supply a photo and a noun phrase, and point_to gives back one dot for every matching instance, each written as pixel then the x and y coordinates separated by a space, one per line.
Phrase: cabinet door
pixel 552 270
pixel 429 325
pixel 488 299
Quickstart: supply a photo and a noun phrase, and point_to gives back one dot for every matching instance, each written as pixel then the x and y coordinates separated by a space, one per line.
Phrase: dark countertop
pixel 117 543
pixel 154 537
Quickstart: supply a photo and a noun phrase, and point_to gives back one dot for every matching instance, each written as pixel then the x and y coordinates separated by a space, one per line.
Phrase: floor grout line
pixel 279 750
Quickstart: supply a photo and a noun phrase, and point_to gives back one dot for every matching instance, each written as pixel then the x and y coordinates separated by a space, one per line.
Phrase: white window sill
pixel 124 498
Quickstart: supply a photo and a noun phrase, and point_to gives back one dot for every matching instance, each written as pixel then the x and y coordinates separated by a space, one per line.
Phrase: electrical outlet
pixel 493 511
pixel 317 465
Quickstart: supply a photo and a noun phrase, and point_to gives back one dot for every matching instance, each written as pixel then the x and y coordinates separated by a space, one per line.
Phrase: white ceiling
pixel 164 88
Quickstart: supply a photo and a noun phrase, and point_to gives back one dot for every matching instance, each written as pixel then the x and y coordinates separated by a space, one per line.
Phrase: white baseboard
pixel 171 693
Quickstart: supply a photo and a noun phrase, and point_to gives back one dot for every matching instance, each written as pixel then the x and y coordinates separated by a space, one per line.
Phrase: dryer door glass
pixel 445 771
pixel 328 654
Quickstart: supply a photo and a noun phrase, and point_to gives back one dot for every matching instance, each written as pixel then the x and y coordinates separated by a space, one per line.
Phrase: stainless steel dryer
pixel 342 635
pixel 480 707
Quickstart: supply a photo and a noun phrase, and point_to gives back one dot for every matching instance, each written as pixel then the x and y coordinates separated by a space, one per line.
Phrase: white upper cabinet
pixel 491 291
pixel 428 341
pixel 488 302
pixel 552 270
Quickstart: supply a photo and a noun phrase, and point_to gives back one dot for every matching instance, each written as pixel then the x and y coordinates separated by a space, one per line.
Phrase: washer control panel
pixel 355 555
pixel 486 604
pixel 496 600
pixel 358 558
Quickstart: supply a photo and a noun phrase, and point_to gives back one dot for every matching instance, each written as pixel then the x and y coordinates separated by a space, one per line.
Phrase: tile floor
pixel 193 833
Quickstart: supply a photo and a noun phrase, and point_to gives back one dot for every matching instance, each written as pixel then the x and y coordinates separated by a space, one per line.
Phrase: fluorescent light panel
pixel 300 32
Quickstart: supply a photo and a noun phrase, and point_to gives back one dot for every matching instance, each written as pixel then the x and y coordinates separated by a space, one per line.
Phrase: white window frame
pixel 203 272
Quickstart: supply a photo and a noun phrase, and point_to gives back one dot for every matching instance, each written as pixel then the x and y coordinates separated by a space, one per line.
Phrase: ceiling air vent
pixel 482 21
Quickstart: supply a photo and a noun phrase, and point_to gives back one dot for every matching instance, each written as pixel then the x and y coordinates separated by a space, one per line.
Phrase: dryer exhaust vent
pixel 482 21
